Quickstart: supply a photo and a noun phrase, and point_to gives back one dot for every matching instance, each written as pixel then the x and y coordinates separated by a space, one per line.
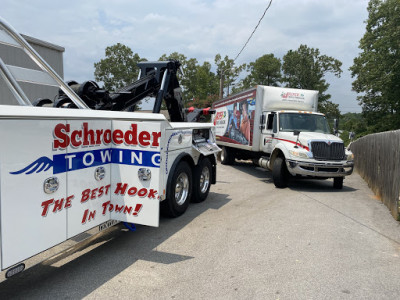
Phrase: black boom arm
pixel 157 79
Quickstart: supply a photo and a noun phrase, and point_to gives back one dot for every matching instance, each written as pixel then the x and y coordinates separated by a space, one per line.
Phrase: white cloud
pixel 198 29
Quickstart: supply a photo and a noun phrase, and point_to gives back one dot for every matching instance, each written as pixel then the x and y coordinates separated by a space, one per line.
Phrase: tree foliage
pixel 206 86
pixel 118 68
pixel 189 70
pixel 199 84
pixel 305 68
pixel 227 72
pixel 265 70
pixel 352 122
pixel 377 68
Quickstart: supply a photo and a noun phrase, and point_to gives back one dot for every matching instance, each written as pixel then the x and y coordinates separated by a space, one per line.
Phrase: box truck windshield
pixel 303 122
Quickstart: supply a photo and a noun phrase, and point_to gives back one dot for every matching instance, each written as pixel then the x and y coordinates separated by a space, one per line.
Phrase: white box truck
pixel 81 162
pixel 281 130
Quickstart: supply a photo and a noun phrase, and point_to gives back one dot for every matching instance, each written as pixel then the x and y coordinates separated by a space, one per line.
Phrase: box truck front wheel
pixel 179 192
pixel 227 156
pixel 338 183
pixel 201 180
pixel 280 173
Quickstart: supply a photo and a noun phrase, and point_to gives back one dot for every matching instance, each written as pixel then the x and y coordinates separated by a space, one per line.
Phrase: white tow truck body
pixel 280 129
pixel 66 174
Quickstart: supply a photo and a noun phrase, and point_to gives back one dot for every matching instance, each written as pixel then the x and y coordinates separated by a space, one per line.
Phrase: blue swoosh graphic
pixel 67 162
pixel 41 164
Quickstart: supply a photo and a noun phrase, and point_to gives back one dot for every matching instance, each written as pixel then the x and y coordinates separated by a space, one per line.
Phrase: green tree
pixel 190 79
pixel 266 70
pixel 187 76
pixel 118 68
pixel 354 122
pixel 377 68
pixel 175 56
pixel 305 68
pixel 198 82
pixel 188 67
pixel 227 72
pixel 207 86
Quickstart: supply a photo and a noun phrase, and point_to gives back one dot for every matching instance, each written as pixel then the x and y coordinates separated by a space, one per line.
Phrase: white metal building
pixel 53 55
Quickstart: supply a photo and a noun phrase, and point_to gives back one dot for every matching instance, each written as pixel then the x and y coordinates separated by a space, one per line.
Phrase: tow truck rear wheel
pixel 338 183
pixel 201 180
pixel 179 192
pixel 227 156
pixel 280 173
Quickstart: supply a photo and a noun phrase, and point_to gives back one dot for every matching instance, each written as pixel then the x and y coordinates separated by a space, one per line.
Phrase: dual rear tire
pixel 202 179
pixel 186 185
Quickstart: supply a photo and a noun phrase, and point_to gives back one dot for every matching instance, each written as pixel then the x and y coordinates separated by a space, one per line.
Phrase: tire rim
pixel 181 188
pixel 222 155
pixel 204 180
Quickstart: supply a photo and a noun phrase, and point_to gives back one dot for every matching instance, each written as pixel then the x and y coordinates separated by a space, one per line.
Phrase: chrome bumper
pixel 320 169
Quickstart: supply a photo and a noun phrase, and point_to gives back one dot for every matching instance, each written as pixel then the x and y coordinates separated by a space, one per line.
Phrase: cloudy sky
pixel 196 28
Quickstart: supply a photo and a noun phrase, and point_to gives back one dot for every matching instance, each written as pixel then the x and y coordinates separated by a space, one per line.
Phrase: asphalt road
pixel 248 240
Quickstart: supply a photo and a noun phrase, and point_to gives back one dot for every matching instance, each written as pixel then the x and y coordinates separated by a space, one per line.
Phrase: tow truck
pixel 81 162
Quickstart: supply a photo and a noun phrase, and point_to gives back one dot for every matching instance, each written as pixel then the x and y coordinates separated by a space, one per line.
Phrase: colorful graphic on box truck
pixel 234 118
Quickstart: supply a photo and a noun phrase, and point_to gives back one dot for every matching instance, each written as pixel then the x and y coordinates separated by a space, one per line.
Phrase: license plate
pixel 107 224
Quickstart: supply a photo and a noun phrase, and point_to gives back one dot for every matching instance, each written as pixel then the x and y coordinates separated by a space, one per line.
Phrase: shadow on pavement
pixel 295 183
pixel 317 186
pixel 249 168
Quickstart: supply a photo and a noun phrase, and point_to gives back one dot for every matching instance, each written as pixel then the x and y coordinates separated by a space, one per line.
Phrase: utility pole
pixel 221 85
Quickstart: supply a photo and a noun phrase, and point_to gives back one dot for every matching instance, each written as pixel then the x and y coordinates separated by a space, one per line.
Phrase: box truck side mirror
pixel 262 122
pixel 336 125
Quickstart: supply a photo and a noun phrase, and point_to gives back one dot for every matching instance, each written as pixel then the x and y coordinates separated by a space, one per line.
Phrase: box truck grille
pixel 332 151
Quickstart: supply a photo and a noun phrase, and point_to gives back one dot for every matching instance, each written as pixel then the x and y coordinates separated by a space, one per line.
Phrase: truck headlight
pixel 298 154
pixel 350 156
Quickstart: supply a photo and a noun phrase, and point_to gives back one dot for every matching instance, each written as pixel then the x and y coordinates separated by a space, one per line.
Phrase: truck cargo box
pixel 238 116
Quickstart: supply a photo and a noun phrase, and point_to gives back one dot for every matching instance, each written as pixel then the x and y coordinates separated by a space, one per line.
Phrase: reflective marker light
pixel 99 173
pixel 144 174
pixel 51 185
pixel 15 270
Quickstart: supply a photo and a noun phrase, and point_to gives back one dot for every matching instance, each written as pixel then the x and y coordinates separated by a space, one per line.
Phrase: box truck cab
pixel 281 130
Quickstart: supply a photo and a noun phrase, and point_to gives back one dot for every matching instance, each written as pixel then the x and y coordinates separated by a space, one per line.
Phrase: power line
pixel 251 35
